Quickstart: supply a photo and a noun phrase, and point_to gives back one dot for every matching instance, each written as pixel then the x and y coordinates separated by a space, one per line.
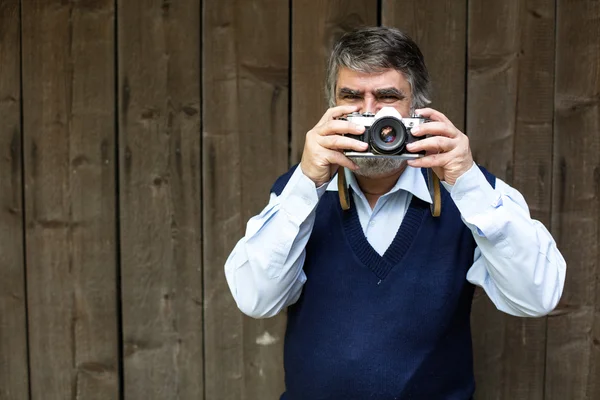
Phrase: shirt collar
pixel 411 180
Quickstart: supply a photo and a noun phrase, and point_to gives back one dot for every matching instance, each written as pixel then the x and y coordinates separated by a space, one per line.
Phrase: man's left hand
pixel 447 149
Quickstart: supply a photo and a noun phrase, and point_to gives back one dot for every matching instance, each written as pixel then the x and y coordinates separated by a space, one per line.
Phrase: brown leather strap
pixel 435 191
pixel 343 189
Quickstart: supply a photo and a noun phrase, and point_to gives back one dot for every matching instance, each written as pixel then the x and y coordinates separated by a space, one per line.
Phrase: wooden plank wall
pixel 158 69
pixel 138 137
pixel 14 379
pixel 69 198
pixel 509 103
pixel 573 355
pixel 245 145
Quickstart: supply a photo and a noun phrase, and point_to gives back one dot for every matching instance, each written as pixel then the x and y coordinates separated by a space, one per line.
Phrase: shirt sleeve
pixel 516 260
pixel 264 270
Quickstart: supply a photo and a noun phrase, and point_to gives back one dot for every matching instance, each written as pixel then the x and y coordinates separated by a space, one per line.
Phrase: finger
pixel 435 129
pixel 338 142
pixel 431 161
pixel 338 158
pixel 339 127
pixel 433 144
pixel 433 115
pixel 336 112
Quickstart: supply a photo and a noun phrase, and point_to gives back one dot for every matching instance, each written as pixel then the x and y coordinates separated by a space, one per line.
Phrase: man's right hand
pixel 324 145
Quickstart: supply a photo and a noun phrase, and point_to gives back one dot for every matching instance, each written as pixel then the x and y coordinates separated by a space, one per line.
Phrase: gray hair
pixel 375 49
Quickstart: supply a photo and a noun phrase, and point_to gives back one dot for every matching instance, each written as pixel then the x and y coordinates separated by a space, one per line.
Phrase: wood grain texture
pixel 573 364
pixel 315 27
pixel 14 379
pixel 492 84
pixel 439 28
pixel 519 370
pixel 509 118
pixel 68 107
pixel 245 148
pixel 524 362
pixel 160 200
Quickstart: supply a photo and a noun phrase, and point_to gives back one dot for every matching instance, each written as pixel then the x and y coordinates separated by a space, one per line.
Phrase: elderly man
pixel 380 294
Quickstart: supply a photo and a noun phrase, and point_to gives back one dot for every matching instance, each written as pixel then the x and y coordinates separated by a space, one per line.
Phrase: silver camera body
pixel 386 133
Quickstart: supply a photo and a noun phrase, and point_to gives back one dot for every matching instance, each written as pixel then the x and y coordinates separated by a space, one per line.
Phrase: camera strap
pixel 343 189
pixel 433 182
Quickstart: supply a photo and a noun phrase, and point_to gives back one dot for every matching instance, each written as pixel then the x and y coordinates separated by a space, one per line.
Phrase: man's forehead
pixel 358 80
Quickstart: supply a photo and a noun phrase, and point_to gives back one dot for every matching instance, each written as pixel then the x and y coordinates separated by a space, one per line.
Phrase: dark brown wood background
pixel 137 137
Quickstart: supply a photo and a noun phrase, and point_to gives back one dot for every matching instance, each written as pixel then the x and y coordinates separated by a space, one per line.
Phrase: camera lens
pixel 388 136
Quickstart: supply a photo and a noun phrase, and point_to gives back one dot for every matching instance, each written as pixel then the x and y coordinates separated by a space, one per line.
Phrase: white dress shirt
pixel 516 260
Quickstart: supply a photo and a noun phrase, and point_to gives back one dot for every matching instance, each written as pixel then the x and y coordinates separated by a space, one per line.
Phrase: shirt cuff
pixel 475 198
pixel 300 196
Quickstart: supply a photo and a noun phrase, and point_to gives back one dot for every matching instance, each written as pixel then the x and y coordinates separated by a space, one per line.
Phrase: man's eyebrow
pixel 391 91
pixel 348 91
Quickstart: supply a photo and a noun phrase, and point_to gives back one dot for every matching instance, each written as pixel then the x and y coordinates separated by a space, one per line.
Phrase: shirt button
pixel 307 201
pixel 372 223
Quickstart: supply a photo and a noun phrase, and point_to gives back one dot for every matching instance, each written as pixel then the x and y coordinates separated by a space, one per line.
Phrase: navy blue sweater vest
pixel 382 328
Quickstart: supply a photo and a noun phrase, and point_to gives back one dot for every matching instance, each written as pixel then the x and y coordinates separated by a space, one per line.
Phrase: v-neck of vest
pixel 406 234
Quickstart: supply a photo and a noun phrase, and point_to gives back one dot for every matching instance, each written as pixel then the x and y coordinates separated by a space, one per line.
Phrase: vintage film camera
pixel 386 132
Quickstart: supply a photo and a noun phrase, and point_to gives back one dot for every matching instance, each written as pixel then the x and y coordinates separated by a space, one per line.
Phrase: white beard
pixel 375 167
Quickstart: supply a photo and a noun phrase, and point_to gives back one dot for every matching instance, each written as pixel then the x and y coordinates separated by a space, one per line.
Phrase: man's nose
pixel 371 105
